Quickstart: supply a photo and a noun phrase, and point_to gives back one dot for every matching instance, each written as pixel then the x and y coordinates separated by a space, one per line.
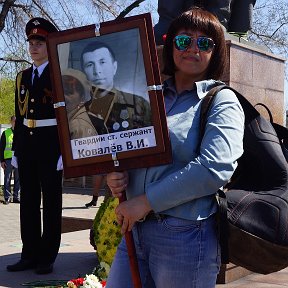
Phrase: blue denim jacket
pixel 186 188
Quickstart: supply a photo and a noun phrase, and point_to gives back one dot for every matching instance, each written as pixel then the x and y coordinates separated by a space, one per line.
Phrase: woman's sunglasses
pixel 183 42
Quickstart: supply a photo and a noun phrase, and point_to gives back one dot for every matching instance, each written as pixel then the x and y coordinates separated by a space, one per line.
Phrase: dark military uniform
pixel 120 111
pixel 128 112
pixel 37 149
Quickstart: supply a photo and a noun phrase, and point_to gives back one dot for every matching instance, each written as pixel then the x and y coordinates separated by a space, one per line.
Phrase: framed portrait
pixel 108 97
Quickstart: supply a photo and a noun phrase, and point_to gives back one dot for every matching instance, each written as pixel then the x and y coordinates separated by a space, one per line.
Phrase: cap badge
pixel 36 22
pixel 34 31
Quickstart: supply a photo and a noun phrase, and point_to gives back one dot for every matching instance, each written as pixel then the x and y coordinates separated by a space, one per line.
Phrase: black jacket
pixel 39 101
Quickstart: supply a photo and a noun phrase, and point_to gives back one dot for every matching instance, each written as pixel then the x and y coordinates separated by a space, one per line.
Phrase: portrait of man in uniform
pixel 108 96
pixel 119 110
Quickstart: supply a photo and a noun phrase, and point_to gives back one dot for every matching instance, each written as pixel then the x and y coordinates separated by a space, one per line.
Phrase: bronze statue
pixel 235 15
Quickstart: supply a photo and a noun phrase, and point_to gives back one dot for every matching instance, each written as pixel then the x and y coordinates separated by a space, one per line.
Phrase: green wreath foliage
pixel 107 235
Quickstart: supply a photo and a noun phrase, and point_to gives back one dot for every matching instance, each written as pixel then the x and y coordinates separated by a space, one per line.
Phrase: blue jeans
pixel 7 182
pixel 171 253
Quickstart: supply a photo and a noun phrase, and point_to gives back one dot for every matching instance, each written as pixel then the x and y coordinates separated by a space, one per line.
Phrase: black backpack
pixel 253 210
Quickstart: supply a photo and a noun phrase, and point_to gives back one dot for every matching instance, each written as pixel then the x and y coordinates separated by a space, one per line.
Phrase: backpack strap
pixel 281 131
pixel 267 109
pixel 222 218
pixel 223 226
pixel 205 107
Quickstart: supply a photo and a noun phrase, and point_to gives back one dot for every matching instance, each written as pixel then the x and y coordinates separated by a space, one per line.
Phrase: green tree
pixel 7 87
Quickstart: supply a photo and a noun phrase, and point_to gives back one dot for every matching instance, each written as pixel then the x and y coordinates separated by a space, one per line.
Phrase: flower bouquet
pixel 90 281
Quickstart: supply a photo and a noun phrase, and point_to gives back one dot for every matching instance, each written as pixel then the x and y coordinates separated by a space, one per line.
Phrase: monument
pixel 236 16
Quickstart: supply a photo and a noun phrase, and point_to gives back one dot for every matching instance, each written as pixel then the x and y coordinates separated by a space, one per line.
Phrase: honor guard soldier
pixel 37 152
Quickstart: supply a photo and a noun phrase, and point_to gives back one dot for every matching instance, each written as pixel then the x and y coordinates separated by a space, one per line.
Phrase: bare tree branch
pixel 283 24
pixel 7 59
pixel 129 8
pixel 5 9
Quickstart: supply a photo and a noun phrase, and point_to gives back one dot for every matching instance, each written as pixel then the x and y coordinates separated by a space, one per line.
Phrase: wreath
pixel 107 236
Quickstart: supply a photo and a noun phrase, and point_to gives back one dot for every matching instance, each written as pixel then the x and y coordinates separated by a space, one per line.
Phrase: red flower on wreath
pixel 78 281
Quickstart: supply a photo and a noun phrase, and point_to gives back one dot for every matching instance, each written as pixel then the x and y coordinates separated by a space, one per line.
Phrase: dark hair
pixel 203 21
pixel 94 46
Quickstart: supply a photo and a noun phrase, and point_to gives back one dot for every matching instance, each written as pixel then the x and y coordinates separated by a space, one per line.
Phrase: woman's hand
pixel 117 182
pixel 130 211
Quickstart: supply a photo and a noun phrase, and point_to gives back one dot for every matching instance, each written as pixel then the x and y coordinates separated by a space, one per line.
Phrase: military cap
pixel 39 28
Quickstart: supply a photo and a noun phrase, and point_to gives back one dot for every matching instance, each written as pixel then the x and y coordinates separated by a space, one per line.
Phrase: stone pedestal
pixel 230 272
pixel 259 76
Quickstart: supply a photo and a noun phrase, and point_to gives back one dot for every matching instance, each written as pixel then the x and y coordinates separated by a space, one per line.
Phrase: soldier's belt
pixel 32 123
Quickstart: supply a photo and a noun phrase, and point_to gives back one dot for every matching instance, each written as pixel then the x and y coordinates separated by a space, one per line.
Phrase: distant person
pixel 77 92
pixel 234 15
pixel 119 110
pixel 98 182
pixel 6 154
pixel 37 152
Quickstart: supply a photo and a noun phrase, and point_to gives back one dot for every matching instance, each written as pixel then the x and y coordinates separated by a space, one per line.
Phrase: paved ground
pixel 76 256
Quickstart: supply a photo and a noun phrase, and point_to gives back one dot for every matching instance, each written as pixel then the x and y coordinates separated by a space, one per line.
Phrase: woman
pixel 77 93
pixel 176 238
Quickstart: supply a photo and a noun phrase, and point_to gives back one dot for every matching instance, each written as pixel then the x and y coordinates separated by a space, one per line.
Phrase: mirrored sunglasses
pixel 183 42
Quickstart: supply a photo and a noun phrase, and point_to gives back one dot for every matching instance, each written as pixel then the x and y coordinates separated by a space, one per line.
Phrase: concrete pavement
pixel 76 256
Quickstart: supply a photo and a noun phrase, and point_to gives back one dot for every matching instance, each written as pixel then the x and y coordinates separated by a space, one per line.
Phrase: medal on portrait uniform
pixel 116 126
pixel 125 124
pixel 124 115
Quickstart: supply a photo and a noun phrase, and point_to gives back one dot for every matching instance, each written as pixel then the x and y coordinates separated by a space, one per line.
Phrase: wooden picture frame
pixel 129 128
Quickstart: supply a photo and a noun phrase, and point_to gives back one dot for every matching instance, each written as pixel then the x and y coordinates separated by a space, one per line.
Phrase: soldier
pixel 119 110
pixel 37 152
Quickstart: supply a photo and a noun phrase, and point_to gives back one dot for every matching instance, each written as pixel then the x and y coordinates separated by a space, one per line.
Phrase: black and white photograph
pixel 106 93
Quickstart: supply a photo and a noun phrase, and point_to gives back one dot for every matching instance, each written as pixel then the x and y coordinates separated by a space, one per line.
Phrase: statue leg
pixel 241 16
pixel 168 10
pixel 220 8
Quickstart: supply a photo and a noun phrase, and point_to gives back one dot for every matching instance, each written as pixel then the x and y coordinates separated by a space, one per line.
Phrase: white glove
pixel 14 162
pixel 59 164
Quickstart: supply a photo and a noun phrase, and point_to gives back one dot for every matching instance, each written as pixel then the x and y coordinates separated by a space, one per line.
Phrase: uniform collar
pixel 40 68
